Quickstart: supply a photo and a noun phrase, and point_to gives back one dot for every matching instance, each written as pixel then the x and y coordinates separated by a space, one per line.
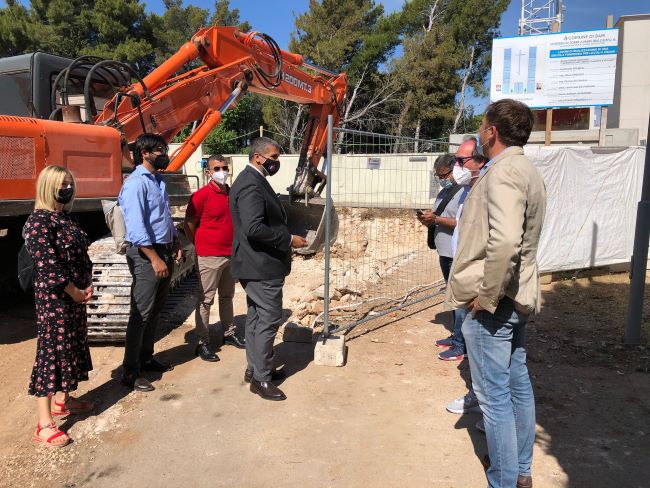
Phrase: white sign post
pixel 569 69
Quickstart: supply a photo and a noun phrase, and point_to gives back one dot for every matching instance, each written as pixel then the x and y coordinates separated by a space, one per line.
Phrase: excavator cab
pixel 27 81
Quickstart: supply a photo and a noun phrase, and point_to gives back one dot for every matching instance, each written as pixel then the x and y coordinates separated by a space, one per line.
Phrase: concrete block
pixel 622 267
pixel 295 333
pixel 330 352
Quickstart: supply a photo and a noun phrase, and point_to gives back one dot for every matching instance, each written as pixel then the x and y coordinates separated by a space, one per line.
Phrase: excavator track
pixel 108 311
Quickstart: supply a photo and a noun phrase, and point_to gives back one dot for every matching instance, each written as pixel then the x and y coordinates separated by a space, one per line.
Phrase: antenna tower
pixel 538 16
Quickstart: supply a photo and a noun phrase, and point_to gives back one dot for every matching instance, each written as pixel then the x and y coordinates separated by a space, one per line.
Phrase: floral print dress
pixel 59 249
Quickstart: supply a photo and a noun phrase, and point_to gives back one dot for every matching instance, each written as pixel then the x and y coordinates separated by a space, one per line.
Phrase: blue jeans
pixel 497 358
pixel 457 336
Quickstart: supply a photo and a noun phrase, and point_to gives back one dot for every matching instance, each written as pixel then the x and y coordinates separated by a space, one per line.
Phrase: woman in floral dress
pixel 62 287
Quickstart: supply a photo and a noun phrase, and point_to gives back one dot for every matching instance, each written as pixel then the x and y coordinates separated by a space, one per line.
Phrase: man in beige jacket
pixel 494 275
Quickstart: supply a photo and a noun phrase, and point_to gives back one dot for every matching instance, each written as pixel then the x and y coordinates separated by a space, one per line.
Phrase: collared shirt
pixel 208 207
pixel 459 212
pixel 256 169
pixel 145 205
pixel 484 168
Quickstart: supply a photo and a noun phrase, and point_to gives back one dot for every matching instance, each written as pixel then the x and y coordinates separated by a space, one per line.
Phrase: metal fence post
pixel 328 230
pixel 639 257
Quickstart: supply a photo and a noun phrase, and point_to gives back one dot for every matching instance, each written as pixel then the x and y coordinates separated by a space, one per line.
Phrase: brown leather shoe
pixel 267 390
pixel 524 481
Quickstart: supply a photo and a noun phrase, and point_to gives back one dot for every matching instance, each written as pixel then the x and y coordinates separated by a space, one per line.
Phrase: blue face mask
pixel 445 183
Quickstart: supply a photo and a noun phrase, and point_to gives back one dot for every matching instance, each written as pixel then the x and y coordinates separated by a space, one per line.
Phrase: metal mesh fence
pixel 379 261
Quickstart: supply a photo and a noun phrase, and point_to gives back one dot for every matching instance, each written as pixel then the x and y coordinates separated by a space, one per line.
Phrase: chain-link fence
pixel 379 261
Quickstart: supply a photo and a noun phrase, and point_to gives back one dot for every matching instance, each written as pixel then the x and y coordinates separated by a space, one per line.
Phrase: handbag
pixel 441 208
pixel 25 269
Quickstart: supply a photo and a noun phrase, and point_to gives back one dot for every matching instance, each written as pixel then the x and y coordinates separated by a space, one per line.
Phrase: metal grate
pixel 17 158
pixel 380 261
pixel 14 119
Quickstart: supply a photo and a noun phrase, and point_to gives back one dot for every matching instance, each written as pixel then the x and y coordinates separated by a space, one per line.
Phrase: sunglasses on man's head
pixel 220 168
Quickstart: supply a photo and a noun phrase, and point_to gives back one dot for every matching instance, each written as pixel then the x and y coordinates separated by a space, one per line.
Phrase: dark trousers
pixel 458 315
pixel 445 266
pixel 264 317
pixel 148 296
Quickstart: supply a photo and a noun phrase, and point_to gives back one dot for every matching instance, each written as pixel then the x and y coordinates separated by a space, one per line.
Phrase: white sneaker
pixel 465 404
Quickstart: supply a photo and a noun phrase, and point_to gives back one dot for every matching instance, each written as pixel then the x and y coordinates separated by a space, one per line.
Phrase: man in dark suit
pixel 261 258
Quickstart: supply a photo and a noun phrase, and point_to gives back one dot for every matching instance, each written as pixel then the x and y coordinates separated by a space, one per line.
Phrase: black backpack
pixel 25 269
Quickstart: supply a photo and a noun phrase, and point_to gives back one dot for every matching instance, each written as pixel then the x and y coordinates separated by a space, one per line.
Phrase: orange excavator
pixel 86 113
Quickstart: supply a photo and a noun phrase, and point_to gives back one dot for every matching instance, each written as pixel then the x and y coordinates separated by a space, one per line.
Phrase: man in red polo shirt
pixel 209 227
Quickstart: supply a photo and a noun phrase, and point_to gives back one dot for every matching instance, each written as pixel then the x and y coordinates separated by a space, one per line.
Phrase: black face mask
pixel 64 195
pixel 161 161
pixel 271 166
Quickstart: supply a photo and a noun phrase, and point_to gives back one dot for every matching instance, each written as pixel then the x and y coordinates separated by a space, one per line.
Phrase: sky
pixel 278 20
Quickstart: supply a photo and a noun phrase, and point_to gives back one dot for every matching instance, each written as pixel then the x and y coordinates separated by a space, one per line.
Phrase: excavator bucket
pixel 309 220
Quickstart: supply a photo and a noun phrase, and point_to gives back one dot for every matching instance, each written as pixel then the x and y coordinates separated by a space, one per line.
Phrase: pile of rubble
pixel 310 307
pixel 372 246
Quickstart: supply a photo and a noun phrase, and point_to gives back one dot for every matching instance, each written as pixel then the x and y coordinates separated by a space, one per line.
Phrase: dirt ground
pixel 379 421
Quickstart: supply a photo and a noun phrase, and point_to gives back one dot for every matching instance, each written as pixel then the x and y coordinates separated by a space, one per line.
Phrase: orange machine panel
pixel 27 145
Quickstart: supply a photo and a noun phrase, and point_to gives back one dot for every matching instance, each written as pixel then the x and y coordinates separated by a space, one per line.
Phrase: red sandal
pixel 84 407
pixel 48 442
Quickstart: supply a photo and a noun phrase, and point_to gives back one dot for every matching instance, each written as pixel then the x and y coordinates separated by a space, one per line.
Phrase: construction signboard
pixel 569 69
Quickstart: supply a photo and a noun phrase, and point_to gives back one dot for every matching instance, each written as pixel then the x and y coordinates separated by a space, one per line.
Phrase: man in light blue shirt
pixel 152 245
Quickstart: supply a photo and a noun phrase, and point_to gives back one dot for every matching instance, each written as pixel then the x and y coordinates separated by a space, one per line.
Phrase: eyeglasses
pixel 216 169
pixel 442 177
pixel 461 161
pixel 274 157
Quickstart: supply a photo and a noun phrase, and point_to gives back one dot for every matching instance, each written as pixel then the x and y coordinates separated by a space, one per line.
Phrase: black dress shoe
pixel 276 374
pixel 234 340
pixel 158 366
pixel 267 390
pixel 203 351
pixel 137 383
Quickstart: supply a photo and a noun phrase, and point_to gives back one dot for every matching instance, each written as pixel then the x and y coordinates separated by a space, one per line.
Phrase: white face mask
pixel 462 176
pixel 220 177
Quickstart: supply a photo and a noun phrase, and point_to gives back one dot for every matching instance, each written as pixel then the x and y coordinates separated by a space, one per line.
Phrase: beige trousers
pixel 215 276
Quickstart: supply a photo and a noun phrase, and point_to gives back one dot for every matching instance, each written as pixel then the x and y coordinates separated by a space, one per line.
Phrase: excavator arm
pixel 234 63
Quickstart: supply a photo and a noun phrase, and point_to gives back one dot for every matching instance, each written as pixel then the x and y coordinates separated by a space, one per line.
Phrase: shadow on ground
pixel 17 319
pixel 592 393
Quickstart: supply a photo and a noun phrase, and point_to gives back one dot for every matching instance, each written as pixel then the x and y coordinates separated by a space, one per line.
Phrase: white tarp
pixel 591 206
